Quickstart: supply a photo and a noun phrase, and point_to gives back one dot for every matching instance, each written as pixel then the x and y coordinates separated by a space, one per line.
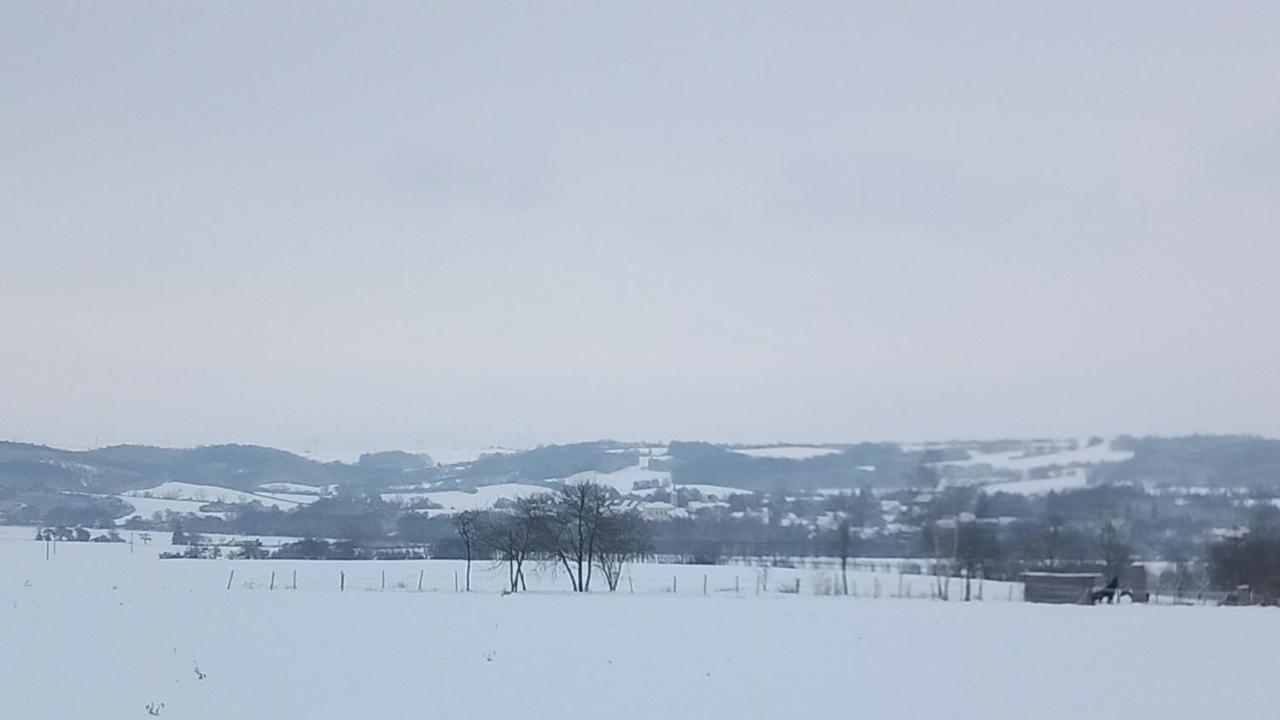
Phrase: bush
pixel 194 552
pixel 249 550
pixel 313 549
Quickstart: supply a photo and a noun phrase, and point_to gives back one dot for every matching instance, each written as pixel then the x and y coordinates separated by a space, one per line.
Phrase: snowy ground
pixel 458 500
pixel 294 488
pixel 117 565
pixel 1072 480
pixel 788 452
pixel 1023 462
pixel 190 494
pixel 99 633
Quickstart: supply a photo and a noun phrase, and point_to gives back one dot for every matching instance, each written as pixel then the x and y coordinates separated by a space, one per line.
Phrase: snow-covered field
pixel 97 632
pixel 144 507
pixel 458 500
pixel 788 452
pixel 1023 461
pixel 1069 466
pixel 211 493
pixel 294 488
pixel 1073 480
pixel 624 480
pixel 716 491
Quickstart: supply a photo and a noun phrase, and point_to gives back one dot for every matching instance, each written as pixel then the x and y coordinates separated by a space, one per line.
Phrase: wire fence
pixel 435 576
pixel 136 566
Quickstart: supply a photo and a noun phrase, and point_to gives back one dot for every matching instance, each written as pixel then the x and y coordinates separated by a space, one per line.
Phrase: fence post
pixel 631 584
pixel 797 586
pixel 704 584
pixel 455 581
pixel 736 589
pixel 273 580
pixel 384 579
pixel 342 580
pixel 295 579
pixel 420 580
pixel 230 577
pixel 673 584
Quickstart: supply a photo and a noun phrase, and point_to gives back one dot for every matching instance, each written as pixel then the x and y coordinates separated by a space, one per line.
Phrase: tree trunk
pixel 568 569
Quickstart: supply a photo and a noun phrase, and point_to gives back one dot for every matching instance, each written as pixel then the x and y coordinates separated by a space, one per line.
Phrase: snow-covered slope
pixel 458 500
pixel 144 507
pixel 1068 481
pixel 1022 461
pixel 789 452
pixel 626 479
pixel 716 491
pixel 293 488
pixel 201 494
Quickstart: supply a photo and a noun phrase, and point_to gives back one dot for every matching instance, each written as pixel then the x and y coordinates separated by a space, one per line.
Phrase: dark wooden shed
pixel 1059 588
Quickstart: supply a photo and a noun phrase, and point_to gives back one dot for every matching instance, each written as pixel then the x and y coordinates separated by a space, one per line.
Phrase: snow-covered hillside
pixel 1037 468
pixel 144 507
pixel 201 494
pixel 294 488
pixel 788 452
pixel 1022 460
pixel 458 500
pixel 1072 480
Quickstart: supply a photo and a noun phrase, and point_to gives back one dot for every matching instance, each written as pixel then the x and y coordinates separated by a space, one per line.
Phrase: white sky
pixel 421 224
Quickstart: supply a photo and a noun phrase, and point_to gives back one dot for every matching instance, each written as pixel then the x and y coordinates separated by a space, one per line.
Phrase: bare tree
pixel 514 537
pixel 844 543
pixel 469 524
pixel 580 528
pixel 569 525
pixel 621 538
pixel 572 527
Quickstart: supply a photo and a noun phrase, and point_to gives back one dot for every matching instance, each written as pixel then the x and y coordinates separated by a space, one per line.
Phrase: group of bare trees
pixel 580 528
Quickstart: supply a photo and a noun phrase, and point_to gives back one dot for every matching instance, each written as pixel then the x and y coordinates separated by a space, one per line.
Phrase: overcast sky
pixel 380 224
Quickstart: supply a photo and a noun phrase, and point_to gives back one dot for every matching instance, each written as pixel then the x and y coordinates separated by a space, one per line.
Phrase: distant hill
pixel 1215 461
pixel 128 467
pixel 1220 461
pixel 883 464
